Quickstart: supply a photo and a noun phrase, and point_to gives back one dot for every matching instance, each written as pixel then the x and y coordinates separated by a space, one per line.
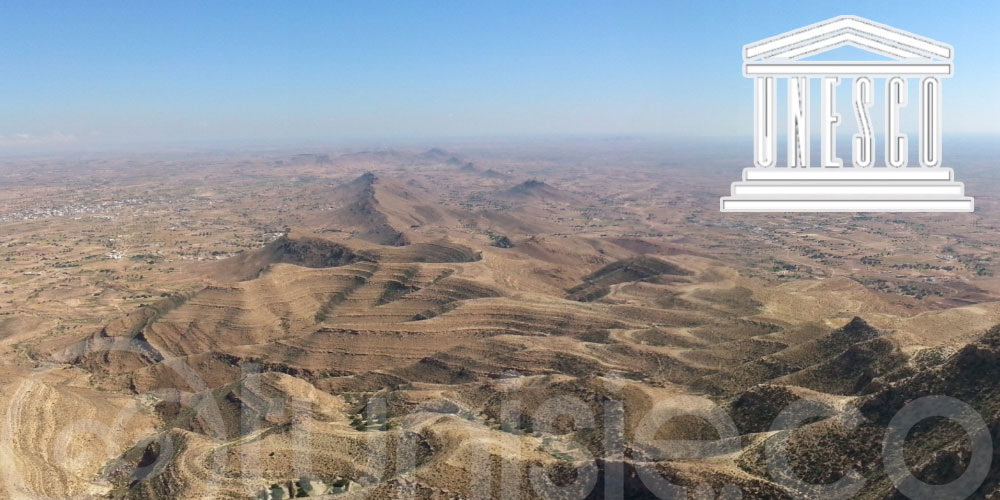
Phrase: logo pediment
pixel 905 49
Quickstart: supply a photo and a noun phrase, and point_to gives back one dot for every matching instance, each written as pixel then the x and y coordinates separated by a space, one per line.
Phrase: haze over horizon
pixel 467 250
pixel 112 73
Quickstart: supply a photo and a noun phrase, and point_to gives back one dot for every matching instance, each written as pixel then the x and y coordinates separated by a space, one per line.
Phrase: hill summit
pixel 363 213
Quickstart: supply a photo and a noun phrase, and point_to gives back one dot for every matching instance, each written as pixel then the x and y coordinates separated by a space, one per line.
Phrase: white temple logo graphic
pixel 870 184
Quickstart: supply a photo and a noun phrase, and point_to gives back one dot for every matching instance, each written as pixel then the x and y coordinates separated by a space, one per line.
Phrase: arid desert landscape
pixel 564 319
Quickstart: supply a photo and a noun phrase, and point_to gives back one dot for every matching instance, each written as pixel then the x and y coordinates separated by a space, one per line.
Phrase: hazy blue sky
pixel 110 72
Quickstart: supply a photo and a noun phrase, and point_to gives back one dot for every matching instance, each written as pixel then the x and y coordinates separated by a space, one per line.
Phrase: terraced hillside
pixel 380 343
pixel 435 335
